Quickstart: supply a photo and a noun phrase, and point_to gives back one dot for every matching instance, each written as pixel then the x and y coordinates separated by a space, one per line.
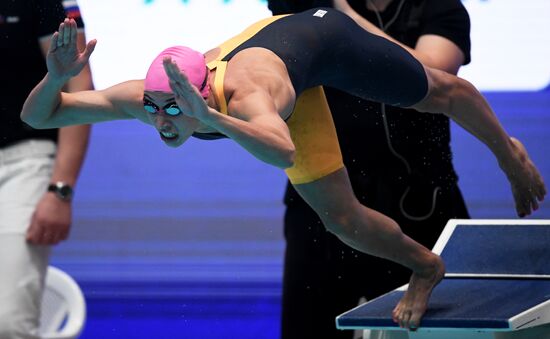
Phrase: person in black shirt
pixel 399 163
pixel 38 168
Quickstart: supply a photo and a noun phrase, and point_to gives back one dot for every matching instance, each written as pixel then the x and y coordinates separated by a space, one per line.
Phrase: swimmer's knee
pixel 438 98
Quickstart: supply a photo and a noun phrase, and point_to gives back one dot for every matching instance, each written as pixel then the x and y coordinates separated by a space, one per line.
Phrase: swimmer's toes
pixel 415 321
pixel 404 319
pixel 394 313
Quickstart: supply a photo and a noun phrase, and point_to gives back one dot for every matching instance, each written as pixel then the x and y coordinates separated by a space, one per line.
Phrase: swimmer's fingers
pixel 68 33
pixel 67 29
pixel 182 99
pixel 189 100
pixel 64 40
pixel 53 42
pixel 171 69
pixel 180 83
pixel 523 204
pixel 74 32
pixel 88 50
pixel 61 31
pixel 174 73
pixel 541 192
pixel 64 60
pixel 187 95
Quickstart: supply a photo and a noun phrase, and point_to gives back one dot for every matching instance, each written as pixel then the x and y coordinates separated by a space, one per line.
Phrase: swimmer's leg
pixel 462 102
pixel 371 232
pixel 370 67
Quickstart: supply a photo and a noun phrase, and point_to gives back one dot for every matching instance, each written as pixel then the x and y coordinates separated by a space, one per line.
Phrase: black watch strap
pixel 62 190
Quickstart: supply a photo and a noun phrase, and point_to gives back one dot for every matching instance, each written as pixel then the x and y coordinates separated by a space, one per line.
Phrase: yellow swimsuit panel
pixel 311 126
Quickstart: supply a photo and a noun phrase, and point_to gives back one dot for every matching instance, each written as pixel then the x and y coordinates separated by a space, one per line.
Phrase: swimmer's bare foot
pixel 412 306
pixel 527 184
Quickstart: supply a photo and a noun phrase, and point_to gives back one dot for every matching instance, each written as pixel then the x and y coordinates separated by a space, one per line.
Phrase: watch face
pixel 62 190
pixel 65 191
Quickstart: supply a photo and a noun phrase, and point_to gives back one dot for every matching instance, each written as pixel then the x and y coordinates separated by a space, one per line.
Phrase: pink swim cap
pixel 189 61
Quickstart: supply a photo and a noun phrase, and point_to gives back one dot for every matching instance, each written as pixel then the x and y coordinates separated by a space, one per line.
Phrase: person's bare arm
pixel 259 128
pixel 262 132
pixel 462 102
pixel 47 106
pixel 431 50
pixel 73 140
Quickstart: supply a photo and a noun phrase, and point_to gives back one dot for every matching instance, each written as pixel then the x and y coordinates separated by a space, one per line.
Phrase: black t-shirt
pixel 295 6
pixel 22 24
pixel 422 139
pixel 446 18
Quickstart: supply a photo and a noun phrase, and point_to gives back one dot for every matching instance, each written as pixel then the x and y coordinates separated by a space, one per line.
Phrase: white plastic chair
pixel 63 307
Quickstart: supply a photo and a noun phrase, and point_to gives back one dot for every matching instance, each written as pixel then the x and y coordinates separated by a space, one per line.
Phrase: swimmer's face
pixel 173 126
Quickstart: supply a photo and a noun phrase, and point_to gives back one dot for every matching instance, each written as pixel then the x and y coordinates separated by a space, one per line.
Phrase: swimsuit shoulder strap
pixel 227 47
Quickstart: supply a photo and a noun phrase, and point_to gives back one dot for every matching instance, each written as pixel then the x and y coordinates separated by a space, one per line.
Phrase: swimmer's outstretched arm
pixel 462 102
pixel 259 129
pixel 48 107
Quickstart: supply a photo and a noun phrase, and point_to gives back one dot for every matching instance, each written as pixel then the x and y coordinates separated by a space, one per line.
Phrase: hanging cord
pixel 387 129
pixel 379 17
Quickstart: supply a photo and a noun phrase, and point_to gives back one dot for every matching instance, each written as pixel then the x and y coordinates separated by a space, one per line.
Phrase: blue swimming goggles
pixel 171 109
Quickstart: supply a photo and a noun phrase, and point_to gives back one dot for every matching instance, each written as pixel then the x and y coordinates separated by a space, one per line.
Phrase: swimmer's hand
pixel 64 60
pixel 527 184
pixel 187 96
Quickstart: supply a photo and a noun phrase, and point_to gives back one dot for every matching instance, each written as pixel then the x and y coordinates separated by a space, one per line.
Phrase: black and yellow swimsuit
pixel 323 47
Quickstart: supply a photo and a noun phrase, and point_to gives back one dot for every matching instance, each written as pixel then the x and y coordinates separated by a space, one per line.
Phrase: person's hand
pixel 187 96
pixel 527 184
pixel 64 60
pixel 50 222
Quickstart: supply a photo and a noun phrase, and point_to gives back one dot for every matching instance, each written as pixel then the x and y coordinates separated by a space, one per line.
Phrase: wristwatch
pixel 62 190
